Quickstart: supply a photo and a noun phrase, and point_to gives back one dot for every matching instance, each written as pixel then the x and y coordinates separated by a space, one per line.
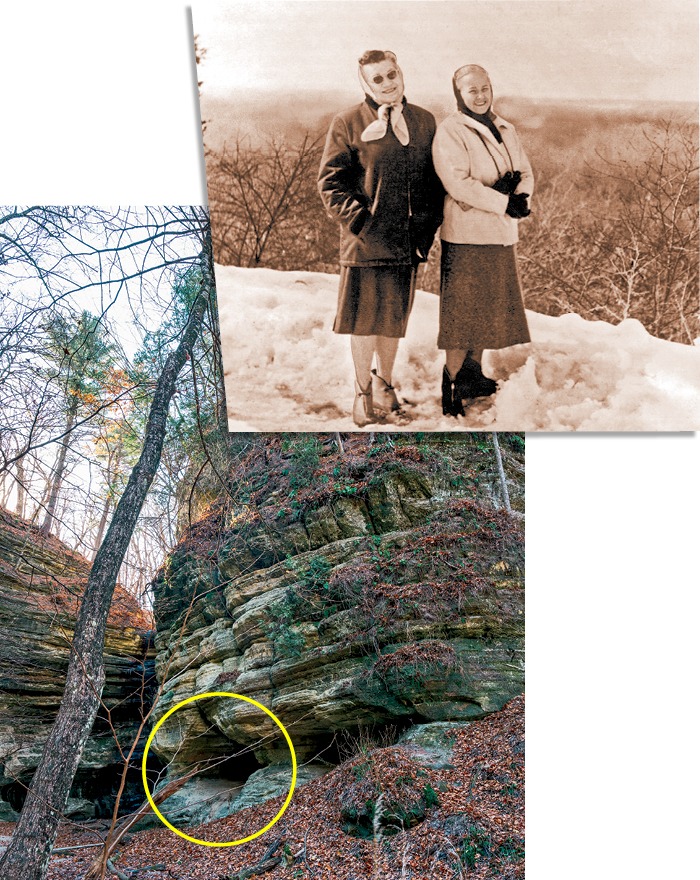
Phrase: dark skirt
pixel 481 305
pixel 374 300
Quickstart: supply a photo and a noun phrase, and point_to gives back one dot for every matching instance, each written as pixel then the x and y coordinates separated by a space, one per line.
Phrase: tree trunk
pixel 501 472
pixel 60 468
pixel 221 406
pixel 114 462
pixel 5 489
pixel 28 854
pixel 103 523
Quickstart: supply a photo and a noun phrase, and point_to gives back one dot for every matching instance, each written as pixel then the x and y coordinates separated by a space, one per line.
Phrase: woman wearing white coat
pixel 488 179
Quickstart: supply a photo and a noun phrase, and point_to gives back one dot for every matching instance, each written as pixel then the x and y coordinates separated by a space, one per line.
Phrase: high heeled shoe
pixel 451 401
pixel 362 407
pixel 384 395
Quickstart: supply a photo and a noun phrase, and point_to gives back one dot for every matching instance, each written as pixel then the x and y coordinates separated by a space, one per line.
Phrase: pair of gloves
pixel 517 203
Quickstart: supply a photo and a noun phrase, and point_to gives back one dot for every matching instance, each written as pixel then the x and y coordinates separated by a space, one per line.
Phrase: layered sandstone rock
pixel 41 582
pixel 383 586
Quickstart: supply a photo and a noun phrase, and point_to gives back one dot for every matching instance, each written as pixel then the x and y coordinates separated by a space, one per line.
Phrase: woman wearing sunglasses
pixel 377 179
pixel 489 181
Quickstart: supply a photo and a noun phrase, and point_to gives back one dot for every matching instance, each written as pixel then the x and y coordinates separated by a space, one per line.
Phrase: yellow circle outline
pixel 208 695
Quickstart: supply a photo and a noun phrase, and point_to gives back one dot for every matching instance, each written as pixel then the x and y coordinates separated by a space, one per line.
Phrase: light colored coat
pixel 468 160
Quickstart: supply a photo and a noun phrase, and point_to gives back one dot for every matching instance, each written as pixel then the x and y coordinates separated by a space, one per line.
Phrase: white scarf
pixel 377 129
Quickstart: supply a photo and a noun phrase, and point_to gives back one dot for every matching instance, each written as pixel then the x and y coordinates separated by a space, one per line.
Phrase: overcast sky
pixel 595 49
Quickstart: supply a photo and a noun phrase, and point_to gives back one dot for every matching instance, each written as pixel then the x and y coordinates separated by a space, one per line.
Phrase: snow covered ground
pixel 287 371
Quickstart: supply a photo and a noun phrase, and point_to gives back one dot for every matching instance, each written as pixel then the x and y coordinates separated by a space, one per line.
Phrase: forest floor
pixel 469 821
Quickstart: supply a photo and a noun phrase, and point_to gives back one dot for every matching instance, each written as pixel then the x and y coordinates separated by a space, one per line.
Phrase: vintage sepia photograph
pixel 454 215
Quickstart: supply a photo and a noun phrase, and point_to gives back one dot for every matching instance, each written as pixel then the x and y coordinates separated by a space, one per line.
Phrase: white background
pixel 98 105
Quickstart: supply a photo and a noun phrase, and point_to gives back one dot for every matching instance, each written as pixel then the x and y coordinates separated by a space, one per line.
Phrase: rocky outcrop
pixel 381 586
pixel 41 582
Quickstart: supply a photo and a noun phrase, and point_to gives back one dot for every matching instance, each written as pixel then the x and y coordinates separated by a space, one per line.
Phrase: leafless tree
pixel 263 202
pixel 620 240
pixel 172 239
pixel 121 265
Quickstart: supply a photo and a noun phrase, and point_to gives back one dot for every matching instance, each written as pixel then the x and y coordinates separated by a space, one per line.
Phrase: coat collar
pixel 483 130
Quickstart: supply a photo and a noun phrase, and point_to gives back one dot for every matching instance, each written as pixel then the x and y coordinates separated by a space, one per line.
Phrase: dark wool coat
pixel 387 197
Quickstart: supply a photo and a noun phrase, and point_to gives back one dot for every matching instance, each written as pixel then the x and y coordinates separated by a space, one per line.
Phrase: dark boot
pixel 451 401
pixel 470 381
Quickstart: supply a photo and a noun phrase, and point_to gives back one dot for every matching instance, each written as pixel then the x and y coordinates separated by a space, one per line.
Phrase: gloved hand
pixel 517 205
pixel 508 183
pixel 419 256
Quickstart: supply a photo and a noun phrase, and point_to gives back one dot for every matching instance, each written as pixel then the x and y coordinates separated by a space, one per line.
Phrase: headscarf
pixel 487 118
pixel 385 112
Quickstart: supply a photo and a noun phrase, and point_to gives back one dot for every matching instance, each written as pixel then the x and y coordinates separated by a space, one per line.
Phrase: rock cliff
pixel 41 582
pixel 380 586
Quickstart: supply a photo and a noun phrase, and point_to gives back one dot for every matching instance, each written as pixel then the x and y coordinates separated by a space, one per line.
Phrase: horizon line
pixel 239 90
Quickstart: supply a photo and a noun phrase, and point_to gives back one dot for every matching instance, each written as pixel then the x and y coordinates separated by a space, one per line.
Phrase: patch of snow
pixel 285 370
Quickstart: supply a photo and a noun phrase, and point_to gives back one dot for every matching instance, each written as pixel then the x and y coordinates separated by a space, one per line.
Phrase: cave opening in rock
pixel 346 744
pixel 236 767
pixel 94 791
pixel 14 794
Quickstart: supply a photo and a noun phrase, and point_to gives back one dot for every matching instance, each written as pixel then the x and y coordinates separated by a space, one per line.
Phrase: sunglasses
pixel 378 80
